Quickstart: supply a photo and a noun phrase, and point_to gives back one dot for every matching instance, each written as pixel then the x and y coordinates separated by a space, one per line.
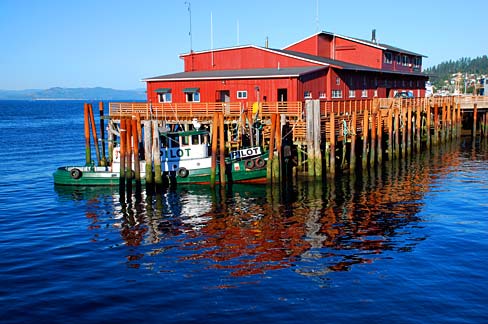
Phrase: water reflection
pixel 313 227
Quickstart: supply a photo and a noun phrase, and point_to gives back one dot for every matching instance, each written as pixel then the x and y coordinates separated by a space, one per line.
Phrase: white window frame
pixel 352 93
pixel 322 95
pixel 307 95
pixel 165 97
pixel 190 96
pixel 364 93
pixel 336 93
pixel 388 58
pixel 242 94
pixel 405 60
pixel 338 81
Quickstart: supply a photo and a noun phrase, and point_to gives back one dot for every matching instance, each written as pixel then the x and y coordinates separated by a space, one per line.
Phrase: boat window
pixel 185 140
pixel 195 139
pixel 174 140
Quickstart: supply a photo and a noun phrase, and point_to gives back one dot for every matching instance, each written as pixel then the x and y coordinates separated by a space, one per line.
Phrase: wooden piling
pixel 94 131
pixel 103 162
pixel 475 119
pixel 332 144
pixel 427 131
pixel 365 139
pixel 135 139
pixel 353 131
pixel 222 149
pixel 215 127
pixel 390 134
pixel 123 139
pixel 271 149
pixel 156 153
pixel 372 151
pixel 277 160
pixel 148 153
pixel 396 131
pixel 128 153
pixel 418 128
pixel 87 135
pixel 436 124
pixel 409 130
pixel 379 139
pixel 404 133
pixel 317 137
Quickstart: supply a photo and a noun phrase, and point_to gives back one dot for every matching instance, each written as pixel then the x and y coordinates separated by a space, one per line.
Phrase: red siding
pixel 209 88
pixel 357 53
pixel 240 58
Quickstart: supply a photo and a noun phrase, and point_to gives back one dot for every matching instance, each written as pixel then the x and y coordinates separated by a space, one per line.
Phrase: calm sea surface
pixel 405 244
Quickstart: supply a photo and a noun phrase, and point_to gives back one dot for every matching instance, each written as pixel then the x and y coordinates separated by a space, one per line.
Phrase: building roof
pixel 345 65
pixel 365 42
pixel 238 74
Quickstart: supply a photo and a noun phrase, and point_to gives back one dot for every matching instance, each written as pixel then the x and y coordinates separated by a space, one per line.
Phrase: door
pixel 223 96
pixel 283 94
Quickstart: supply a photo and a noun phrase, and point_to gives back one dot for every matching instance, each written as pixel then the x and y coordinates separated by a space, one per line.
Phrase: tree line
pixel 465 65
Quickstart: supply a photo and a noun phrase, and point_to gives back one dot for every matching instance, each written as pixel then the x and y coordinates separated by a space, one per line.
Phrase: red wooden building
pixel 324 66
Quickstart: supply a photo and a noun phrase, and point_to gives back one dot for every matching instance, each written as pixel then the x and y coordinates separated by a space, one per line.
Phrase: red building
pixel 323 66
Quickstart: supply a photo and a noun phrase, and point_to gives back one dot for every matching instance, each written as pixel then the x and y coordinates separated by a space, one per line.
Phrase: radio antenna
pixel 188 5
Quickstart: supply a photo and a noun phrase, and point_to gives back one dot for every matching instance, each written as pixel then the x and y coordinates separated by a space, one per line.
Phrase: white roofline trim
pixel 224 77
pixel 263 49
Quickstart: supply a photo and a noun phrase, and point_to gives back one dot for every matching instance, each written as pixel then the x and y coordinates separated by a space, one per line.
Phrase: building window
pixel 376 93
pixel 405 60
pixel 192 94
pixel 352 93
pixel 399 59
pixel 336 93
pixel 164 94
pixel 242 94
pixel 417 61
pixel 307 95
pixel 164 97
pixel 338 81
pixel 388 58
pixel 364 93
pixel 322 95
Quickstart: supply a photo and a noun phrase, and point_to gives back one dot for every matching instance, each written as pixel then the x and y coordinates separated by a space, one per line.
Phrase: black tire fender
pixel 183 172
pixel 260 162
pixel 75 173
pixel 249 164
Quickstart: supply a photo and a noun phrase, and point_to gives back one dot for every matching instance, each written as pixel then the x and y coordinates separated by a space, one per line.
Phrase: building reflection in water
pixel 313 226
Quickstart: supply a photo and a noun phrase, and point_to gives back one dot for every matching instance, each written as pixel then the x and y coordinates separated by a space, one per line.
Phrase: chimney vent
pixel 373 36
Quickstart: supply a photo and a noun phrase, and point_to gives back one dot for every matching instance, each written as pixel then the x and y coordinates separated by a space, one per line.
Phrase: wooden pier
pixel 314 138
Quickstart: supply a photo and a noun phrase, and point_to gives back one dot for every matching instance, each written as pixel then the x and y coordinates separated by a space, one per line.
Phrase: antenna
pixel 188 5
pixel 211 37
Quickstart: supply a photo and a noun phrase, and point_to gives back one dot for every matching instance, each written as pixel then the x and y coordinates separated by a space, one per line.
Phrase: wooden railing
pixel 202 109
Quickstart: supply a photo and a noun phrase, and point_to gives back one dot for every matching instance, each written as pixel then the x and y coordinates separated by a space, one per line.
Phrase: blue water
pixel 404 244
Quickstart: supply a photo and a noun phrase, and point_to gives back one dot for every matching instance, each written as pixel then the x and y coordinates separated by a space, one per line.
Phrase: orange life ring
pixel 249 164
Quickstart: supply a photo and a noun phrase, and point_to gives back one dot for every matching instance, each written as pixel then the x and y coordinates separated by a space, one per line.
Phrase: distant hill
pixel 58 93
pixel 444 71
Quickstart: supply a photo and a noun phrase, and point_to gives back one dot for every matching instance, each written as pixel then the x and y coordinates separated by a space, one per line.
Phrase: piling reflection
pixel 313 227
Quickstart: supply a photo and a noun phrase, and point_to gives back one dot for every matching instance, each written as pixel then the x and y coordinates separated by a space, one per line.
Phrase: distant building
pixel 324 66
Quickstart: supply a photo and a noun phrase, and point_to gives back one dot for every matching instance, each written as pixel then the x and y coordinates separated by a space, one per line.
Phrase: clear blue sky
pixel 116 43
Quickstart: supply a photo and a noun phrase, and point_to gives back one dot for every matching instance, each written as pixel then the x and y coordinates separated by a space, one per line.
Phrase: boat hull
pixel 86 176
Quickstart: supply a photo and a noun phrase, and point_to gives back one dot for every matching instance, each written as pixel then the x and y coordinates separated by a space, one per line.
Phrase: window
pixel 399 59
pixel 336 93
pixel 417 61
pixel 242 94
pixel 338 81
pixel 388 58
pixel 322 95
pixel 164 97
pixel 307 94
pixel 164 94
pixel 352 93
pixel 364 93
pixel 405 60
pixel 376 93
pixel 192 94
